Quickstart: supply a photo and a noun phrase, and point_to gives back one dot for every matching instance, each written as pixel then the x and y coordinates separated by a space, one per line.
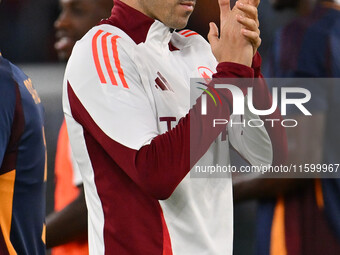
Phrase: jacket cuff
pixel 256 65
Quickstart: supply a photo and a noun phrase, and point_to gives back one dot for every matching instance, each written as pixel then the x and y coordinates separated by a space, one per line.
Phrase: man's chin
pixel 179 27
pixel 180 24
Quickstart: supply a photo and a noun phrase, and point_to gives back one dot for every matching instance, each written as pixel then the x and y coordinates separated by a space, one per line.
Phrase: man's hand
pixel 239 37
pixel 250 22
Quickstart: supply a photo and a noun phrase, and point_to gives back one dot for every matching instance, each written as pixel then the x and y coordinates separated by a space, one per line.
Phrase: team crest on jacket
pixel 205 73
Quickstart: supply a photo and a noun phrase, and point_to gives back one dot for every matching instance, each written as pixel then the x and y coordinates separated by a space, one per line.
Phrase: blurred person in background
pixel 22 164
pixel 28 21
pixel 301 216
pixel 67 226
pixel 301 6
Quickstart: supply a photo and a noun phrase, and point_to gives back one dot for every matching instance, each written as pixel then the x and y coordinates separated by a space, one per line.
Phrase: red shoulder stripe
pixel 107 60
pixel 194 33
pixel 183 32
pixel 117 61
pixel 95 56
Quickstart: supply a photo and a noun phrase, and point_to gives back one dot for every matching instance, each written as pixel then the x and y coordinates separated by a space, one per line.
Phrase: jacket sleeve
pixel 266 145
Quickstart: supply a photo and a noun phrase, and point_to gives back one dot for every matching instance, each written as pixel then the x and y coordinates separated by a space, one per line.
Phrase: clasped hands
pixel 239 36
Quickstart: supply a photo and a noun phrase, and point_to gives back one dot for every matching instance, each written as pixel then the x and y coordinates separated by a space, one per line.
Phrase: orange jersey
pixel 65 190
